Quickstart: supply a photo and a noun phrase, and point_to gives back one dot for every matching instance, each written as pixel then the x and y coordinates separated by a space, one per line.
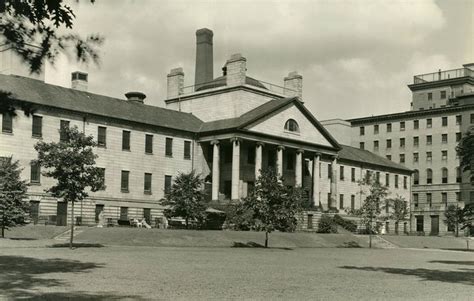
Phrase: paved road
pixel 116 273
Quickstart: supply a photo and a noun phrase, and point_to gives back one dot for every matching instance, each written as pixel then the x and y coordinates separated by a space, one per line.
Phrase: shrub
pixel 327 224
pixel 345 223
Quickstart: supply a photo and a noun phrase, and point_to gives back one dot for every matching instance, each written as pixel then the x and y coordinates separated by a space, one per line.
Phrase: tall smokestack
pixel 204 57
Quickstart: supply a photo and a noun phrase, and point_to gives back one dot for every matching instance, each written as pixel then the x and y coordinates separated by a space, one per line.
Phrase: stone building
pixel 227 128
pixel 424 140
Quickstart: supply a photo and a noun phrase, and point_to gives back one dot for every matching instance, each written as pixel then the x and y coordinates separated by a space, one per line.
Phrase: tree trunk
pixel 3 231
pixel 266 239
pixel 72 225
pixel 370 234
pixel 457 229
pixel 187 223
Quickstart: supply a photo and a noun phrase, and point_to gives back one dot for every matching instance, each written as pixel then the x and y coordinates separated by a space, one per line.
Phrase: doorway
pixel 434 225
pixel 310 221
pixel 34 211
pixel 147 215
pixel 61 214
pixel 99 208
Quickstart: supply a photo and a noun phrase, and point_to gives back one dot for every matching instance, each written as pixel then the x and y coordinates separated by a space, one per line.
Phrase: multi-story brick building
pixel 226 128
pixel 424 139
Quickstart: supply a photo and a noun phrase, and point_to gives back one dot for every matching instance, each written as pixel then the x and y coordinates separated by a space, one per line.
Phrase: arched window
pixel 429 176
pixel 292 126
pixel 444 175
pixel 416 177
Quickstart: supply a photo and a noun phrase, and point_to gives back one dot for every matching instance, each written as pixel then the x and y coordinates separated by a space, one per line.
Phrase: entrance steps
pixel 67 234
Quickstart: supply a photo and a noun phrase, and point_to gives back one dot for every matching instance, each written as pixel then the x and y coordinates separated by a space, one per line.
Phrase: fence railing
pixel 442 75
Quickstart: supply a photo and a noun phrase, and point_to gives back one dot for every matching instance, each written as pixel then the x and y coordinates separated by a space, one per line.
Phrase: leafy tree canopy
pixel 39 29
pixel 12 194
pixel 186 198
pixel 465 150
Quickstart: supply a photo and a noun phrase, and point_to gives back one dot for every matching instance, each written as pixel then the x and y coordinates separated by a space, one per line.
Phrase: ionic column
pixel 280 160
pixel 299 168
pixel 316 200
pixel 215 170
pixel 333 183
pixel 235 168
pixel 258 159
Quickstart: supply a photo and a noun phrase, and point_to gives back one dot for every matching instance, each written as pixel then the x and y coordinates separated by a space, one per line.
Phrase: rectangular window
pixel 430 96
pixel 227 189
pixel 387 179
pixel 444 155
pixel 458 196
pixel 389 143
pixel 442 94
pixel 168 184
pixel 148 144
pixel 35 176
pixel 362 131
pixel 429 199
pixel 402 142
pixel 37 126
pixel 415 157
pixel 416 124
pixel 361 145
pixel 187 150
pixel 341 173
pixel 444 198
pixel 429 139
pixel 102 173
pixel 376 145
pixel 444 121
pixel 389 127
pixel 376 129
pixel 63 124
pixel 458 137
pixel 416 141
pixel 147 183
pixel 405 182
pixel 458 119
pixel 101 136
pixel 429 123
pixel 329 171
pixel 444 138
pixel 353 202
pixel 169 147
pixel 124 180
pixel 429 156
pixel 377 177
pixel 126 140
pixel 402 125
pixel 396 181
pixel 402 158
pixel 7 123
pixel 341 201
pixel 353 174
pixel 290 161
pixel 415 200
pixel 389 157
pixel 419 223
pixel 472 118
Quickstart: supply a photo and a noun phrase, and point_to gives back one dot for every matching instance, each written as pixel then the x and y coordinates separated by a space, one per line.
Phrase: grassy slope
pixel 34 232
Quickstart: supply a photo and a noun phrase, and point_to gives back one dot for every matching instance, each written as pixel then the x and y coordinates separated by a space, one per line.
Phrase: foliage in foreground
pixel 71 162
pixel 327 224
pixel 186 199
pixel 465 151
pixel 12 192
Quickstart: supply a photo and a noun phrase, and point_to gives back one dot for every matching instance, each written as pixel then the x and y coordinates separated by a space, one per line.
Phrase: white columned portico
pixel 316 187
pixel 333 183
pixel 299 168
pixel 258 159
pixel 279 162
pixel 215 170
pixel 235 168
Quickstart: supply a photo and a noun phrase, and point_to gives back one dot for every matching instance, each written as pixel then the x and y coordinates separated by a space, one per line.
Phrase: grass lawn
pixel 153 273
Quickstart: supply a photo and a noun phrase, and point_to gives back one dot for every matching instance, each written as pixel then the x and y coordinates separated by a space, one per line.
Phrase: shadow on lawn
pixel 453 262
pixel 461 276
pixel 21 277
pixel 77 245
pixel 251 244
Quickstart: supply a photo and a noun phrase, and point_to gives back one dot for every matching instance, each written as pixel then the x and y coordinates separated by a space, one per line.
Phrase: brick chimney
pixel 293 84
pixel 79 80
pixel 175 83
pixel 236 69
pixel 204 57
pixel 135 96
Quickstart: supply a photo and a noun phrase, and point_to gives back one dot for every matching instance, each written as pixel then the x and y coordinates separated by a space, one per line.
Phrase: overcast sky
pixel 356 57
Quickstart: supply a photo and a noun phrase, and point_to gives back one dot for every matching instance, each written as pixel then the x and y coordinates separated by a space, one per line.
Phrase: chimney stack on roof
pixel 79 80
pixel 175 83
pixel 236 70
pixel 204 57
pixel 293 85
pixel 135 96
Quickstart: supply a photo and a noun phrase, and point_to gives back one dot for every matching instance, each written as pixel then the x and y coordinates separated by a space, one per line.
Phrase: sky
pixel 356 57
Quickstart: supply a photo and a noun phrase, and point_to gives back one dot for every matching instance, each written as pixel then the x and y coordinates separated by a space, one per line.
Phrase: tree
pixel 72 163
pixel 465 150
pixel 186 198
pixel 454 216
pixel 274 206
pixel 12 193
pixel 34 30
pixel 399 210
pixel 372 205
